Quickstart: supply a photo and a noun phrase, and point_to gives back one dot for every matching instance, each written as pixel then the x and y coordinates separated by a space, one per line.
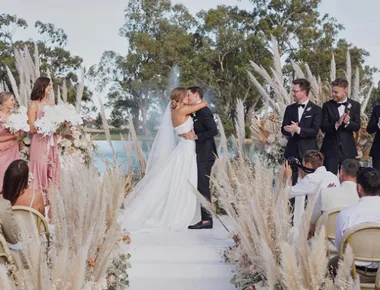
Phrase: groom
pixel 203 134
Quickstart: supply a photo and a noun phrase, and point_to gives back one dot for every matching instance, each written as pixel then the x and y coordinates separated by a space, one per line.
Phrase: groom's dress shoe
pixel 201 225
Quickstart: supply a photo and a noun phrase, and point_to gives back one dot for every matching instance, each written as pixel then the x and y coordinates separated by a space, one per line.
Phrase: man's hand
pixel 189 135
pixel 293 128
pixel 346 119
pixel 340 121
pixel 287 171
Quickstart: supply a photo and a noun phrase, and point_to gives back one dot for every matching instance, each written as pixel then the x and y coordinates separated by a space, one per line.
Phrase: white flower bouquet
pixel 76 144
pixel 18 121
pixel 55 117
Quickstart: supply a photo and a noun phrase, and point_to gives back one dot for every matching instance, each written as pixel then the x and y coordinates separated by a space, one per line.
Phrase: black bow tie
pixel 301 105
pixel 341 104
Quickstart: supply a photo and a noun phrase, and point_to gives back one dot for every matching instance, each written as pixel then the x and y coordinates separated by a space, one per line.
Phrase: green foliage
pixel 53 56
pixel 213 50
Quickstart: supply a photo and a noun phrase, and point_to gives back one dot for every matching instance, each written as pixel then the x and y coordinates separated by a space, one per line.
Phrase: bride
pixel 163 200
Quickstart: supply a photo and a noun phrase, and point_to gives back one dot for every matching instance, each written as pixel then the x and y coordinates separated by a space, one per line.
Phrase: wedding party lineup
pixel 188 145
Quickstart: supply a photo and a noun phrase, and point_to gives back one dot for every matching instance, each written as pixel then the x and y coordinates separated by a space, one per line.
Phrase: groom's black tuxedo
pixel 205 129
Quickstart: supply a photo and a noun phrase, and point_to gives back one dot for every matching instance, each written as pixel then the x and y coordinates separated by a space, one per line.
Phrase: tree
pixel 53 56
pixel 226 42
pixel 158 36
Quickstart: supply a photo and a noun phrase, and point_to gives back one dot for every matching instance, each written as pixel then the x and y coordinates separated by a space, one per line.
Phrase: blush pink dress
pixel 44 159
pixel 9 155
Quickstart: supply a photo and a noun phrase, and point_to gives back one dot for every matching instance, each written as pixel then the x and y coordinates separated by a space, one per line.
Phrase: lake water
pixel 105 150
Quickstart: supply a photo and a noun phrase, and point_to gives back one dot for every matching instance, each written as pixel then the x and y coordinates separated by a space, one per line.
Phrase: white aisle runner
pixel 187 260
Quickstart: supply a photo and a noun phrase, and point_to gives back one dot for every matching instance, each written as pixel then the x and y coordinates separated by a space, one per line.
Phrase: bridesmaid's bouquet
pixel 57 117
pixel 18 121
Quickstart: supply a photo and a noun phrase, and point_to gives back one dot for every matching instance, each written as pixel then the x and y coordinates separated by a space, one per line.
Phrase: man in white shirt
pixel 311 183
pixel 338 197
pixel 367 210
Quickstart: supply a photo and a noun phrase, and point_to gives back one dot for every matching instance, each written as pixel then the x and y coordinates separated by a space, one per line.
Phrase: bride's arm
pixel 187 110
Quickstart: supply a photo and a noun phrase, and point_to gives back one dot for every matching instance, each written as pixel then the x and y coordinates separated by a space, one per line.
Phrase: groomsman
pixel 301 123
pixel 374 127
pixel 340 118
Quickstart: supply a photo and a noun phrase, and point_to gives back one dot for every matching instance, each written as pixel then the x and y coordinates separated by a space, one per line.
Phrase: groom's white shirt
pixel 342 196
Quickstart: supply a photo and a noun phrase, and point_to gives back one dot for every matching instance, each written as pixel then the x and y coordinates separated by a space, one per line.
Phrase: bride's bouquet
pixel 56 117
pixel 18 121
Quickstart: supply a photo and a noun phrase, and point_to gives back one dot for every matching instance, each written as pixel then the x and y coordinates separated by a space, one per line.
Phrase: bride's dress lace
pixel 163 200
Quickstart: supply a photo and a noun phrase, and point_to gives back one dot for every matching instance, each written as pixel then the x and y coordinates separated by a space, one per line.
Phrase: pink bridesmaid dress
pixel 44 159
pixel 9 155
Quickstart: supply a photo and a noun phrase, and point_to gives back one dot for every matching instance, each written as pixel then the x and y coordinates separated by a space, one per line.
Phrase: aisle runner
pixel 188 260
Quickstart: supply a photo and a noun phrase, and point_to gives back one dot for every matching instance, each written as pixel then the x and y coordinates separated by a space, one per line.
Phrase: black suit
pixel 339 144
pixel 310 123
pixel 205 129
pixel 373 127
pixel 298 144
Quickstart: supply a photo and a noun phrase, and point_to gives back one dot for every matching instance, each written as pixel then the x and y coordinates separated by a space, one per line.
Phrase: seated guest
pixel 365 211
pixel 16 187
pixel 339 197
pixel 8 225
pixel 310 183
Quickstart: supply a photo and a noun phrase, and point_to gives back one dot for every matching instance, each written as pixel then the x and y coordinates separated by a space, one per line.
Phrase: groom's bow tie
pixel 301 105
pixel 192 115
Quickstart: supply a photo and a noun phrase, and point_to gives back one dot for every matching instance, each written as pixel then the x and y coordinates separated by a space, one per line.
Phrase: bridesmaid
pixel 44 155
pixel 9 150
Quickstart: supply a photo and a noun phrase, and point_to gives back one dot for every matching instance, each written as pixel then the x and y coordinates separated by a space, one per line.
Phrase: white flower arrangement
pixel 18 121
pixel 75 144
pixel 55 116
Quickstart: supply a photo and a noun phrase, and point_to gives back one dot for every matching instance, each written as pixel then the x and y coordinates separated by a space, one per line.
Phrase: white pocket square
pixel 308 116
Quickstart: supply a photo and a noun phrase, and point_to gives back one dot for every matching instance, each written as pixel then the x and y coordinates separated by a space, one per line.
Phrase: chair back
pixel 364 241
pixel 332 216
pixel 26 213
pixel 5 254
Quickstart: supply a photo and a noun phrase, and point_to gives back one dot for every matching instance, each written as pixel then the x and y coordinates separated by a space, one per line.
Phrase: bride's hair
pixel 176 97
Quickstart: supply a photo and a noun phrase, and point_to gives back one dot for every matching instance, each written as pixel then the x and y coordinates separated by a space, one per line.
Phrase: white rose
pixel 26 141
pixel 283 142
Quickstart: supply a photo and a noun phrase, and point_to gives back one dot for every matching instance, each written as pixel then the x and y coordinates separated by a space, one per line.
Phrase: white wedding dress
pixel 164 200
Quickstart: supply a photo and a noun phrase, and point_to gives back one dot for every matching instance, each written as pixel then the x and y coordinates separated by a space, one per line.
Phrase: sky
pixel 92 25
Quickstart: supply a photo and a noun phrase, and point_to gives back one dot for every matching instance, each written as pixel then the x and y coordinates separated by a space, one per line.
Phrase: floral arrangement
pixel 117 277
pixel 266 133
pixel 18 121
pixel 55 116
pixel 75 144
pixel 24 145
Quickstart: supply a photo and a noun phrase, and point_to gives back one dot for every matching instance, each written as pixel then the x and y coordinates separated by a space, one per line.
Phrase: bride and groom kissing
pixel 164 199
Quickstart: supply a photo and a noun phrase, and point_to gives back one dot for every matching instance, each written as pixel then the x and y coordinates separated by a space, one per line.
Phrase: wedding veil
pixel 163 144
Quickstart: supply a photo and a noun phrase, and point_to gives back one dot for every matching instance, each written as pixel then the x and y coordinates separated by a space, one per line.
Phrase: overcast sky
pixel 92 25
